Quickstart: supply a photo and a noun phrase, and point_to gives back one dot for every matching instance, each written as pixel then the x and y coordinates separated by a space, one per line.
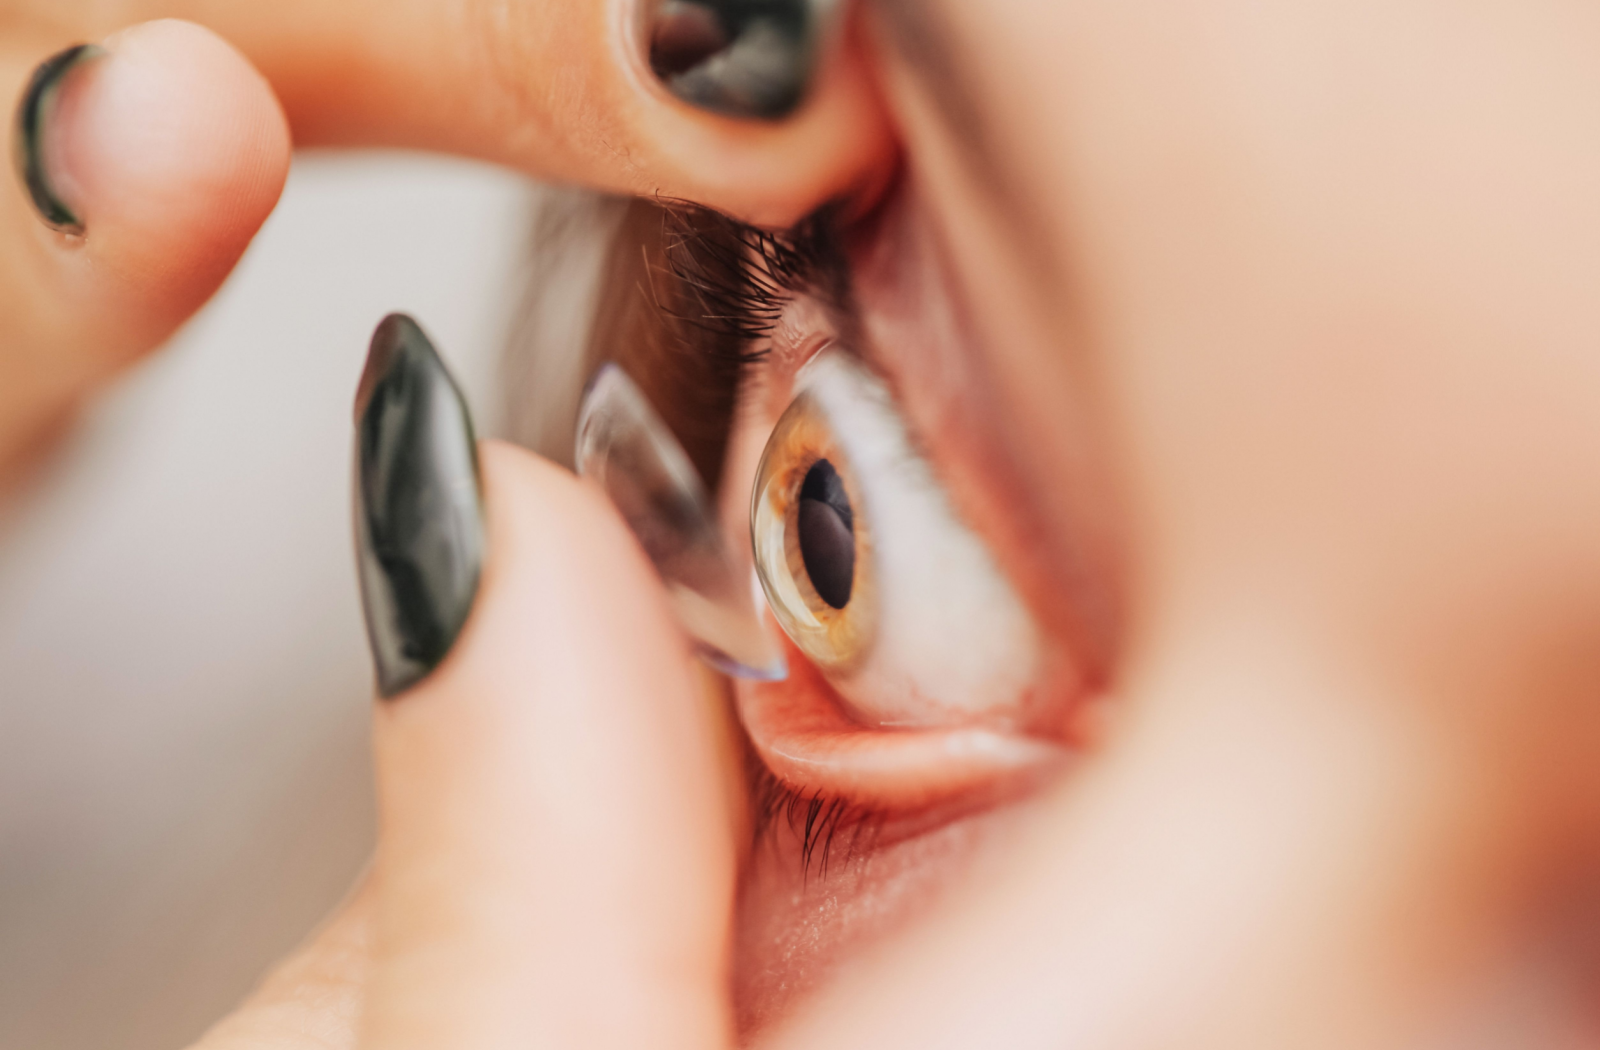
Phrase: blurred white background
pixel 183 673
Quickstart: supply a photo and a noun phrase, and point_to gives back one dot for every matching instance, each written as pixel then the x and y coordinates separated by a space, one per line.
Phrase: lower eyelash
pixel 823 824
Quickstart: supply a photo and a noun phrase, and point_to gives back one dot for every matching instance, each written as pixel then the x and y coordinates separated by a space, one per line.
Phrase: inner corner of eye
pixel 825 524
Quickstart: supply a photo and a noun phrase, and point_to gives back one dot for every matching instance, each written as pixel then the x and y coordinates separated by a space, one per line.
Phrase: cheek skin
pixel 795 926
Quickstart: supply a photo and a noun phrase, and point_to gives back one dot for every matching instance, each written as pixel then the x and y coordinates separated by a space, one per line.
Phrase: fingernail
pixel 419 521
pixel 740 58
pixel 33 127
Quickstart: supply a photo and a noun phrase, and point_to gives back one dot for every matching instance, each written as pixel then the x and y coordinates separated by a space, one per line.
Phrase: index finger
pixel 561 90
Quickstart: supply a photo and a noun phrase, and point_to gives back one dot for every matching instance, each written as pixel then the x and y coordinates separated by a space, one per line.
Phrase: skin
pixel 1289 314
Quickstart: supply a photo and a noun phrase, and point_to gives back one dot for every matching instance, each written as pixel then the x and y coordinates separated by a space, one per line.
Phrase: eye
pixel 869 570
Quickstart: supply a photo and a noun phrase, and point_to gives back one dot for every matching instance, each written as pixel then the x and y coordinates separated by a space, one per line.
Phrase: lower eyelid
pixel 807 742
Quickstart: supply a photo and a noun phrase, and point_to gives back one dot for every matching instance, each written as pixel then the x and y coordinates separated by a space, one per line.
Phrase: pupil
pixel 827 534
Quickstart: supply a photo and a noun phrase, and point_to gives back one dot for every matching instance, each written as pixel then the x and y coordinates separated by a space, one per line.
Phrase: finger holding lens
pixel 762 108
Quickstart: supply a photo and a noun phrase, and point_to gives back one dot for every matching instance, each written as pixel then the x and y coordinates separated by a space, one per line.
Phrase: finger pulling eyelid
pixel 837 146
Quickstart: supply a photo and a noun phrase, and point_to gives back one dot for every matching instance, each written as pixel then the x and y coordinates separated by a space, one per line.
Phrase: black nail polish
pixel 419 523
pixel 741 58
pixel 32 124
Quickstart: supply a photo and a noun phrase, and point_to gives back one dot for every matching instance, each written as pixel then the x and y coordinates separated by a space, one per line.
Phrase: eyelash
pixel 818 821
pixel 737 278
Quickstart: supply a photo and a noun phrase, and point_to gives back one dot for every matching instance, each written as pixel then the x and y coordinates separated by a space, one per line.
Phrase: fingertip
pixel 837 149
pixel 564 574
pixel 552 798
pixel 172 150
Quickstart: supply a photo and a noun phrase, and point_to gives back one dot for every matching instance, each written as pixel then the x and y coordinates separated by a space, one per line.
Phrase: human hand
pixel 559 803
pixel 162 153
pixel 1349 760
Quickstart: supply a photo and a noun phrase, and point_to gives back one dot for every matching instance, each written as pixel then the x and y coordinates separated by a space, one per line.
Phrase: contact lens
pixel 813 548
pixel 624 446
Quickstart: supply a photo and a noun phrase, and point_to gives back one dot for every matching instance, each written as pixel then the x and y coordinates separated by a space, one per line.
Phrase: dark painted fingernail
pixel 33 128
pixel 741 58
pixel 419 523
